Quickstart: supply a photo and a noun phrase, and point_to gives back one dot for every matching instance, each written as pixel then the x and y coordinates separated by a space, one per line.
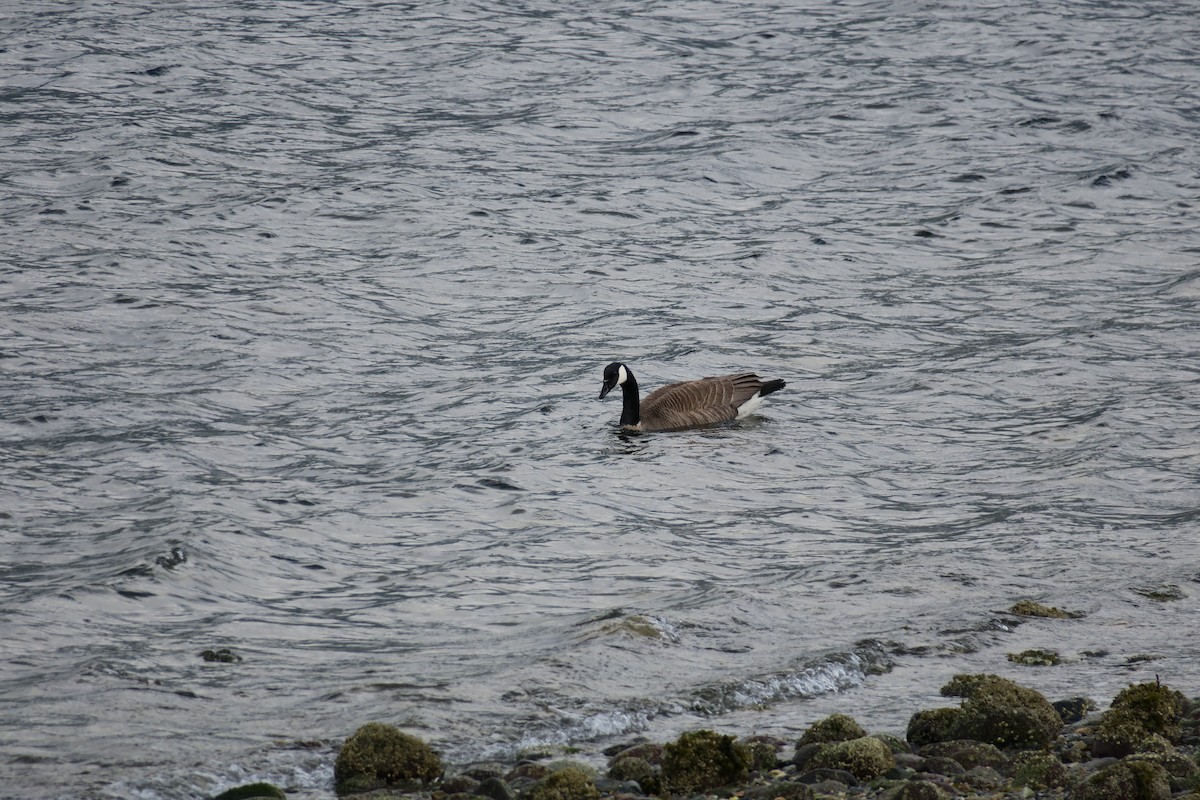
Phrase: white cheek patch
pixel 622 375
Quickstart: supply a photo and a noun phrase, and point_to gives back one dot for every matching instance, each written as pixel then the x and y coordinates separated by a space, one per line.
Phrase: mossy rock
pixel 703 760
pixel 894 743
pixel 1003 713
pixel 1074 709
pixel 834 728
pixel 864 758
pixel 252 790
pixel 1182 771
pixel 1157 706
pixel 1028 608
pixel 1125 781
pixel 632 768
pixel 1038 770
pixel 968 753
pixel 378 755
pixel 764 754
pixel 933 725
pixel 568 783
pixel 1036 658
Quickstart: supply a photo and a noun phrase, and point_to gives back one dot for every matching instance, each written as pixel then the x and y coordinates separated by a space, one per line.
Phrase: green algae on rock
pixel 1036 658
pixel 702 760
pixel 378 755
pixel 933 725
pixel 568 783
pixel 834 728
pixel 253 791
pixel 1038 770
pixel 1125 781
pixel 1139 715
pixel 864 758
pixel 1003 713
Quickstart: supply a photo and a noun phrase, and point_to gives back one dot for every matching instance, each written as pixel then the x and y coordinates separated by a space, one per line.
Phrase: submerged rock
pixel 378 755
pixel 1036 658
pixel 1028 608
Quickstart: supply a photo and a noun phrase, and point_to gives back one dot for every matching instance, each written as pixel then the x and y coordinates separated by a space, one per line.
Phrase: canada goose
pixel 689 404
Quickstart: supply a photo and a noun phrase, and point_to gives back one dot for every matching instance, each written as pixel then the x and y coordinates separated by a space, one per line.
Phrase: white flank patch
pixel 749 406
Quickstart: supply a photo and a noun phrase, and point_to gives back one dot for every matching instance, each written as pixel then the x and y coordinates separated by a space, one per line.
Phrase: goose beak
pixel 605 389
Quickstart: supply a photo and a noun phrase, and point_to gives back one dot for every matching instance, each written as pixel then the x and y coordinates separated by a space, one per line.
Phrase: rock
pixel 252 790
pixel 1125 781
pixel 1028 608
pixel 894 743
pixel 941 765
pixel 822 775
pixel 484 770
pixel 495 788
pixel 460 784
pixel 633 768
pixel 805 752
pixel 1003 713
pixel 1158 708
pixel 968 753
pixel 651 751
pixel 918 790
pixel 224 656
pixel 377 755
pixel 1038 770
pixel 983 778
pixel 1182 772
pixel 703 760
pixel 1036 658
pixel 934 725
pixel 530 770
pixel 834 728
pixel 787 790
pixel 764 752
pixel 568 783
pixel 865 758
pixel 1074 709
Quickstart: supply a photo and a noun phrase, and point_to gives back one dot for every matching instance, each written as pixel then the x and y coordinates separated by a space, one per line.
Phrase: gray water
pixel 304 310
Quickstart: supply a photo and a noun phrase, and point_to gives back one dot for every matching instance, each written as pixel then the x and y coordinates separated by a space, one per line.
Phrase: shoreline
pixel 1003 741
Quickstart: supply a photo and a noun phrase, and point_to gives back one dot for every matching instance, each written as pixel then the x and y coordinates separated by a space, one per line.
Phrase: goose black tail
pixel 771 386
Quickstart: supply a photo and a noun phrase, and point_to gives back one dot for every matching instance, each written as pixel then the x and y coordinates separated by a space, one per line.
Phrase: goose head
pixel 615 375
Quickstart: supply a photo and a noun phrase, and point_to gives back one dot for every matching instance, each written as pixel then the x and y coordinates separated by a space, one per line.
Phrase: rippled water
pixel 304 312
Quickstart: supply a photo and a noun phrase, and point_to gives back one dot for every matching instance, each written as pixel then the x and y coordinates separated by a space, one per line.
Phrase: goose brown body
pixel 687 404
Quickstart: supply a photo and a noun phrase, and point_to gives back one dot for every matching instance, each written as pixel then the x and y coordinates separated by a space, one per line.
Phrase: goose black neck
pixel 631 411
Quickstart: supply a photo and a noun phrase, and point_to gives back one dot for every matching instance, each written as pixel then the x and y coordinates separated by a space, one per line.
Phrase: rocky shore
pixel 1003 741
